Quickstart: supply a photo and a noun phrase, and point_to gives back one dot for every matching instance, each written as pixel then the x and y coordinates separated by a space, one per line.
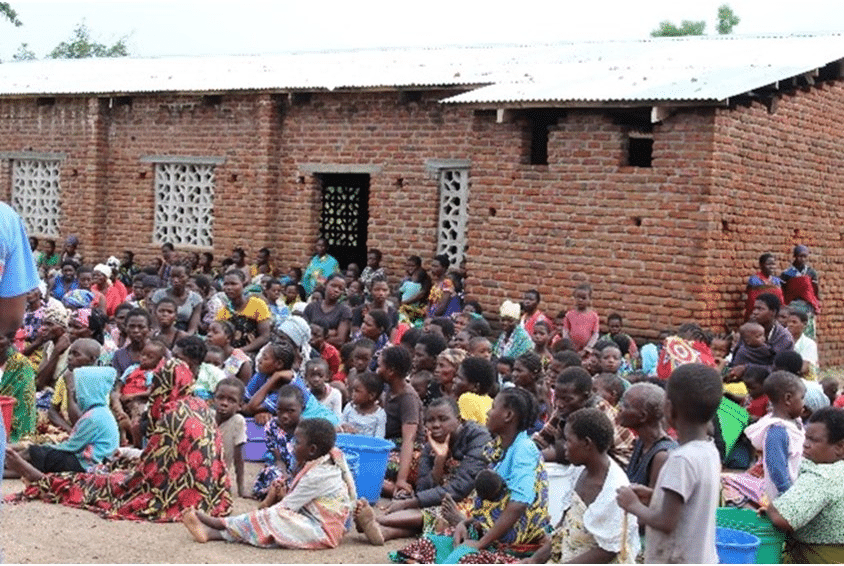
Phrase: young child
pixel 274 369
pixel 235 362
pixel 328 352
pixel 361 358
pixel 316 375
pixel 363 415
pixel 541 336
pixel 504 371
pixel 227 399
pixel 165 314
pixel 480 347
pixel 215 356
pixel 527 374
pixel 581 324
pixel 609 386
pixel 94 436
pixel 423 382
pixel 278 436
pixel 489 486
pixel 136 380
pixel 64 411
pixel 471 387
pixel 404 420
pixel 720 347
pixel 680 516
pixel 756 401
pixel 311 514
pixel 610 359
pixel 780 434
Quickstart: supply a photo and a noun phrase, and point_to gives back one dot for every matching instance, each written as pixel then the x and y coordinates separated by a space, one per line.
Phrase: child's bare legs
pixel 203 527
pixel 401 524
pixel 365 522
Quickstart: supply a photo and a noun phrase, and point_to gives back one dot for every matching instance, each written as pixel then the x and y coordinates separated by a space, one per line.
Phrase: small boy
pixel 756 401
pixel 316 375
pixel 421 381
pixel 361 358
pixel 610 359
pixel 363 415
pixel 64 411
pixel 471 387
pixel 328 352
pixel 780 434
pixel 215 356
pixel 680 516
pixel 504 369
pixel 753 336
pixel 228 396
pixel 489 486
pixel 480 347
pixel 609 386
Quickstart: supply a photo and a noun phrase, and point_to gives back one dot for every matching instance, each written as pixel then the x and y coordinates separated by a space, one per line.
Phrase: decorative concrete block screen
pixel 454 197
pixel 36 195
pixel 184 204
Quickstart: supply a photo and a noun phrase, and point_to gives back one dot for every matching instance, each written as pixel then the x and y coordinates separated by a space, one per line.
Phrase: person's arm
pixel 238 471
pixel 511 513
pixel 663 518
pixel 595 555
pixel 12 310
pixel 48 369
pixel 408 434
pixel 244 374
pixel 656 465
pixel 778 520
pixel 342 335
pixel 273 382
pixel 262 338
pixel 73 410
pixel 595 332
pixel 776 458
pixel 56 418
pixel 193 322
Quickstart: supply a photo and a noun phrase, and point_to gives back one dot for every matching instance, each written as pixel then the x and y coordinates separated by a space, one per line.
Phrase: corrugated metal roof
pixel 691 68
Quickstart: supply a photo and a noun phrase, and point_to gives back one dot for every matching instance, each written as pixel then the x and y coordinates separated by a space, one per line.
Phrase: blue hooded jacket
pixel 95 435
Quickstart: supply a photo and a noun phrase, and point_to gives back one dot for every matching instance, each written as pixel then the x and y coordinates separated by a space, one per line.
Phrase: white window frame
pixel 453 216
pixel 36 191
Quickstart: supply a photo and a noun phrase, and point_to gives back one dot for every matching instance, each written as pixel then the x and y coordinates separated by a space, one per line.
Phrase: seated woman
pixel 182 443
pixel 251 318
pixel 451 458
pixel 331 313
pixel 311 515
pixel 512 525
pixel 812 510
pixel 18 380
pixel 592 530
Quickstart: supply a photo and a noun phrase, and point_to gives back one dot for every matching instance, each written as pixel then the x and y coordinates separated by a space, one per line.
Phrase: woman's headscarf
pixel 171 383
pixel 299 331
pixel 55 313
pixel 510 309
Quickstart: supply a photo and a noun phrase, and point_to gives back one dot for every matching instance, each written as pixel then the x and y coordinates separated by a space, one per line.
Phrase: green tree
pixel 81 46
pixel 9 14
pixel 727 19
pixel 24 53
pixel 686 27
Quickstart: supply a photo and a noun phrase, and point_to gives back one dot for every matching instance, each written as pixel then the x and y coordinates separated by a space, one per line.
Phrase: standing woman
pixel 443 300
pixel 250 318
pixel 320 267
pixel 801 289
pixel 763 282
pixel 188 303
pixel 331 313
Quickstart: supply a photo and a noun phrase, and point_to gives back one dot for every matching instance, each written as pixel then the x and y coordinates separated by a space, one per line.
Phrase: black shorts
pixel 50 460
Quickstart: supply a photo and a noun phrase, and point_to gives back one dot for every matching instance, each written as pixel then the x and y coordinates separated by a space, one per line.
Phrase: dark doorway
pixel 345 216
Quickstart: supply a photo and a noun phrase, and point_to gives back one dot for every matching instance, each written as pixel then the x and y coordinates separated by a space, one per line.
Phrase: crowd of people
pixel 135 386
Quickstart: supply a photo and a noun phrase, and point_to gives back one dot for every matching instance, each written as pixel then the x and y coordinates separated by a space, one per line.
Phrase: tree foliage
pixel 727 19
pixel 8 13
pixel 81 46
pixel 24 53
pixel 686 27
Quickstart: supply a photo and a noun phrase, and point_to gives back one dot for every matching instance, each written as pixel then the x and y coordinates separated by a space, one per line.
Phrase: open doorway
pixel 344 216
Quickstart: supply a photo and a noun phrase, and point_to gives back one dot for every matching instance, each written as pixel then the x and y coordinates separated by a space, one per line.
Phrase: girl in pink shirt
pixel 581 324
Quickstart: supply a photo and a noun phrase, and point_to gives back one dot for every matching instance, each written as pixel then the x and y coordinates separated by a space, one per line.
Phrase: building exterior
pixel 656 170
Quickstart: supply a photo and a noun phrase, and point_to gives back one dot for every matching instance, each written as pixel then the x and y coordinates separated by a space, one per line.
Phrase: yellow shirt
pixel 474 407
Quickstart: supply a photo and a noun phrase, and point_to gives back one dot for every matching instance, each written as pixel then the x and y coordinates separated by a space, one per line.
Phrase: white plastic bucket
pixel 561 480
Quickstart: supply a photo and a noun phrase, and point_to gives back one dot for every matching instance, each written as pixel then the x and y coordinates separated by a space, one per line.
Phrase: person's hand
pixel 643 492
pixel 348 428
pixel 397 505
pixel 439 448
pixel 261 418
pixel 626 497
pixel 476 544
pixel 280 488
pixel 62 344
pixel 461 533
pixel 736 373
pixel 123 419
pixel 403 490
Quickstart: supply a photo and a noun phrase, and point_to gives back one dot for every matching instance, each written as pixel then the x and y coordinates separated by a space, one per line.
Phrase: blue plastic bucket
pixel 735 547
pixel 372 455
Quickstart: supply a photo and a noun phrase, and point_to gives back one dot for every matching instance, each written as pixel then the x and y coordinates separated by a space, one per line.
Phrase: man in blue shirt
pixel 18 276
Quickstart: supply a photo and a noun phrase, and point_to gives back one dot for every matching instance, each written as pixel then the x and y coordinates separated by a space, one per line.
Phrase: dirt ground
pixel 36 532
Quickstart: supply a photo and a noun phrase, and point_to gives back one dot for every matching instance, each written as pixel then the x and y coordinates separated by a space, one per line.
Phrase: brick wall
pixel 661 245
pixel 777 182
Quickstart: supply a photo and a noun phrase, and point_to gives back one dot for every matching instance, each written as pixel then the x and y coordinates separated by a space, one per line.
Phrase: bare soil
pixel 36 532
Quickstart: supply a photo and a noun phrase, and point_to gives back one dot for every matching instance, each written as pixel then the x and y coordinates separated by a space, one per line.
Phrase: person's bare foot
pixel 365 522
pixel 450 512
pixel 194 525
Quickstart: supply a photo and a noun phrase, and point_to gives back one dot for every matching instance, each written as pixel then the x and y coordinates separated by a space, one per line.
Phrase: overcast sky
pixel 213 27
